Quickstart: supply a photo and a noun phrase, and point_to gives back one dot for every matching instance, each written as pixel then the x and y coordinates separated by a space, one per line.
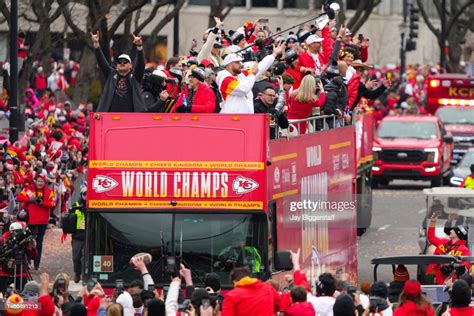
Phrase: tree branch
pixel 226 12
pixel 455 17
pixel 151 16
pixel 166 20
pixel 63 4
pixel 123 15
pixel 430 25
pixel 5 12
pixel 360 8
pixel 367 12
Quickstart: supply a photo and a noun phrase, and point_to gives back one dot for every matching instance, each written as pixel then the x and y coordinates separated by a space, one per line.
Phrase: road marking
pixel 422 211
pixel 384 227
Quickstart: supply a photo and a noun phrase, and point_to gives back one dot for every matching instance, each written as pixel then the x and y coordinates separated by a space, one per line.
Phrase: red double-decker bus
pixel 185 186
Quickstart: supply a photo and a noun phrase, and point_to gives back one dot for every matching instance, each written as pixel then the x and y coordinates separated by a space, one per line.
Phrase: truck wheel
pixel 436 182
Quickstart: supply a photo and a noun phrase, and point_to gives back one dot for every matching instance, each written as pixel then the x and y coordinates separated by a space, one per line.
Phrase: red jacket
pixel 38 213
pixel 461 311
pixel 284 299
pixel 301 309
pixel 411 309
pixel 353 89
pixel 445 246
pixel 204 100
pixel 250 297
pixel 302 110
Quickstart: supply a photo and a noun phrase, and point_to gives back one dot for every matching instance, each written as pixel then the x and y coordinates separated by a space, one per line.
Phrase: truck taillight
pixel 434 83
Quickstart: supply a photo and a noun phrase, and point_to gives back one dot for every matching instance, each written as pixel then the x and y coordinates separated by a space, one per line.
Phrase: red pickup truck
pixel 412 147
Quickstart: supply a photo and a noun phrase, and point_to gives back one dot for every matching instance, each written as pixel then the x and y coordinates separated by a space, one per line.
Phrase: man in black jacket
pixel 266 104
pixel 122 89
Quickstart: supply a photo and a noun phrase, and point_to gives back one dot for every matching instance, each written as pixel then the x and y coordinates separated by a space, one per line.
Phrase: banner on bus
pixel 164 184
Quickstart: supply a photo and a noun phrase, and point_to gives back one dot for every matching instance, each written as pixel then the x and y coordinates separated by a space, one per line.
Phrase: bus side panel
pixel 317 168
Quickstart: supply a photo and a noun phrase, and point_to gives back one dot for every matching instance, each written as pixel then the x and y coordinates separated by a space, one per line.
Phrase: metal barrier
pixel 313 124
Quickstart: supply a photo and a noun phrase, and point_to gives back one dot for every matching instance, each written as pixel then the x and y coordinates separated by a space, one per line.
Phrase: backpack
pixel 69 222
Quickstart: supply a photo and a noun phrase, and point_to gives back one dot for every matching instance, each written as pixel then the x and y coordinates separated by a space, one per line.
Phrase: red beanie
pixel 401 274
pixel 412 289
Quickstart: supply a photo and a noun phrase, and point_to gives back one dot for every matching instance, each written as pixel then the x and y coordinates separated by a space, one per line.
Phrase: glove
pixel 181 109
pixel 63 238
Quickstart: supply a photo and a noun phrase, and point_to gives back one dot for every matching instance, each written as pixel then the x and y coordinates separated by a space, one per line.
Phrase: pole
pixel 13 91
pixel 402 42
pixel 176 35
pixel 442 37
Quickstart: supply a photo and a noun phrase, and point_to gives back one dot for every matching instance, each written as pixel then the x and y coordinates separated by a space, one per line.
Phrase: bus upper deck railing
pixel 313 125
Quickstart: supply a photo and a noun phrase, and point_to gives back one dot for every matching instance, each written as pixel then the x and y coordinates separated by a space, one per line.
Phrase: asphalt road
pixel 398 211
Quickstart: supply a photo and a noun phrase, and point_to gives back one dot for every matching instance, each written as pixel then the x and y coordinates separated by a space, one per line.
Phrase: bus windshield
pixel 204 243
pixel 450 115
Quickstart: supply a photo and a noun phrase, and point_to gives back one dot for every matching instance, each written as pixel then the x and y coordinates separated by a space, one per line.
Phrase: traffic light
pixel 410 45
pixel 414 19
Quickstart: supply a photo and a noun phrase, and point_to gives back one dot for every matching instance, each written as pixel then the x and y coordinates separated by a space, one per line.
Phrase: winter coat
pixel 280 118
pixel 302 110
pixel 445 246
pixel 460 311
pixel 408 308
pixel 134 78
pixel 353 90
pixel 204 100
pixel 250 297
pixel 38 213
pixel 336 96
pixel 395 288
pixel 368 93
pixel 301 309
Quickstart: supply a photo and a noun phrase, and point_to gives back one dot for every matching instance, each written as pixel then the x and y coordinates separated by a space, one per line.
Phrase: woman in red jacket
pixel 304 100
pixel 412 302
pixel 39 200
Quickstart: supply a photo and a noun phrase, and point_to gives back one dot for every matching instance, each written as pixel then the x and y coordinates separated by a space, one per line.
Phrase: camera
pixel 61 285
pixel 119 286
pixel 184 306
pixel 205 302
pixel 171 266
pixel 153 83
pixel 91 283
pixel 39 200
pixel 273 79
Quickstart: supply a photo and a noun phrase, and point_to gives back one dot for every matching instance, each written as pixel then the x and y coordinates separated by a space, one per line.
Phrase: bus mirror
pixel 448 139
pixel 282 261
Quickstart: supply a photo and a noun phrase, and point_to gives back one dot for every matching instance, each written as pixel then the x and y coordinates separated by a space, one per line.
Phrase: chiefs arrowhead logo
pixel 243 185
pixel 102 184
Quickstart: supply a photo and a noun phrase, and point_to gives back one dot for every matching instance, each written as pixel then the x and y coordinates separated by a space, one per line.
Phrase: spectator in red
pixel 455 246
pixel 200 98
pixel 354 82
pixel 412 302
pixel 300 306
pixel 460 300
pixel 39 201
pixel 313 60
pixel 40 82
pixel 250 296
pixel 304 100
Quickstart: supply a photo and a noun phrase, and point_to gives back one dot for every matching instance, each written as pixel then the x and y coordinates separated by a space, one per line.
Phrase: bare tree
pixel 220 9
pixel 40 13
pixel 99 13
pixel 361 15
pixel 458 22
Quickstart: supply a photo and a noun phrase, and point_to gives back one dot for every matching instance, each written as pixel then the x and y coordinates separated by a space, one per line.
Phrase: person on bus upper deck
pixel 468 182
pixel 122 90
pixel 235 87
pixel 273 103
pixel 455 246
pixel 238 254
pixel 200 98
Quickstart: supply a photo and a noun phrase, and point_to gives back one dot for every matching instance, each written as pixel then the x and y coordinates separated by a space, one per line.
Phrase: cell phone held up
pixel 119 286
pixel 183 307
pixel 171 266
pixel 91 283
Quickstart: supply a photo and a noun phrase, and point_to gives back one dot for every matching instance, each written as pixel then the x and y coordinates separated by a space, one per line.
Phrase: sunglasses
pixel 123 62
